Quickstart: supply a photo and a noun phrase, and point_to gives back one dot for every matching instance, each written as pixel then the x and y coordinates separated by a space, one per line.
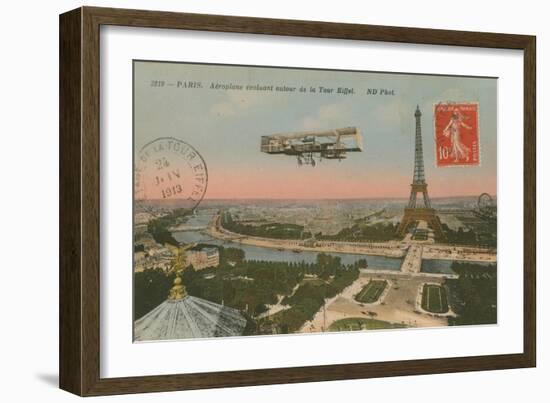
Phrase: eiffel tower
pixel 414 212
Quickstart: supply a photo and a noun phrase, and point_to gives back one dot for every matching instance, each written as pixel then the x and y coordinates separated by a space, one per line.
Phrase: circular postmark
pixel 170 169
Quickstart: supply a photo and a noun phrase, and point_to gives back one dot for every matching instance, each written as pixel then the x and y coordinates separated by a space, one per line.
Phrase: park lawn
pixel 313 281
pixel 372 291
pixel 434 299
pixel 351 324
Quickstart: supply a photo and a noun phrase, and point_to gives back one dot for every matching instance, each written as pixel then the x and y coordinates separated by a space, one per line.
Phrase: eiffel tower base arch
pixel 421 214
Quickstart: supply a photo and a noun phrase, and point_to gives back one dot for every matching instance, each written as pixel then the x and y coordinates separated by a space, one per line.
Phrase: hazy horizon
pixel 315 199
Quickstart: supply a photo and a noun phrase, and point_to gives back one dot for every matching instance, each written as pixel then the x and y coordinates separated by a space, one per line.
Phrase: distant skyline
pixel 225 126
pixel 230 200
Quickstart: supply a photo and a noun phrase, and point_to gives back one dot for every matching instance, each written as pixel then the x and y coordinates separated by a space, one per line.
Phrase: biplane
pixel 306 146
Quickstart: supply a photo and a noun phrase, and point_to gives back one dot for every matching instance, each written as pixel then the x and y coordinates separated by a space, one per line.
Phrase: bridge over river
pixel 413 260
pixel 411 266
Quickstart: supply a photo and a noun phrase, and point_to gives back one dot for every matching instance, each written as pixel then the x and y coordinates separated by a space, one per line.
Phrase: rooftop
pixel 182 316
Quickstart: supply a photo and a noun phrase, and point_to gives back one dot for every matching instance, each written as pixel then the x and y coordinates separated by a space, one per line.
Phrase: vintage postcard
pixel 277 200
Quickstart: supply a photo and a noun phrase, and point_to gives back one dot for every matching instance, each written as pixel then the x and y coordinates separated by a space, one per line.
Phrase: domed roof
pixel 189 317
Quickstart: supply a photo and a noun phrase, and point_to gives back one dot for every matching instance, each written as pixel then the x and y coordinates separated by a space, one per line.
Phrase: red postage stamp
pixel 457 134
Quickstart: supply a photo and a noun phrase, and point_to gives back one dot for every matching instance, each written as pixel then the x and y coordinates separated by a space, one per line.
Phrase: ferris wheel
pixel 486 206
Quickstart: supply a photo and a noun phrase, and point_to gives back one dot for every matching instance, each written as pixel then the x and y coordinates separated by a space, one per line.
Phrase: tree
pixel 234 255
pixel 151 288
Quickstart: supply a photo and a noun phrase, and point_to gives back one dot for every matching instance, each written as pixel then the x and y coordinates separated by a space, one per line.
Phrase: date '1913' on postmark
pixel 456 134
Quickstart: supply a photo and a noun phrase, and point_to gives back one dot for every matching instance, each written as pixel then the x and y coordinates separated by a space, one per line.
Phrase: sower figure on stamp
pixel 458 149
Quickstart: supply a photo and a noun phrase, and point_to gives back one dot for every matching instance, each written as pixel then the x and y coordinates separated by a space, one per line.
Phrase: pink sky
pixel 269 185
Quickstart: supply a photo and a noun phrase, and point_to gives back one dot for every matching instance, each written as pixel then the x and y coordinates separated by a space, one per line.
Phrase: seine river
pixel 261 253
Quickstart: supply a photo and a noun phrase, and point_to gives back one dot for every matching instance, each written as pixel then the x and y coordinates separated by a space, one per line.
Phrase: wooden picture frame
pixel 79 348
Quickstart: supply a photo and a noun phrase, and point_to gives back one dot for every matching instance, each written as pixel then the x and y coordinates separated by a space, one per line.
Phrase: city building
pixel 203 257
